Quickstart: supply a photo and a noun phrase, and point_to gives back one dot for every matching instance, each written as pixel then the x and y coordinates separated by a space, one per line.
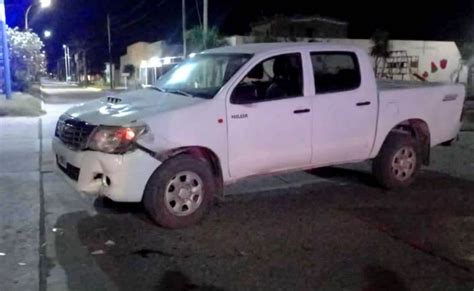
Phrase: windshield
pixel 203 75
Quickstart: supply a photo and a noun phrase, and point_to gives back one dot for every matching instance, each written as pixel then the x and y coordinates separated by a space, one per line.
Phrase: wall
pixel 135 53
pixel 439 61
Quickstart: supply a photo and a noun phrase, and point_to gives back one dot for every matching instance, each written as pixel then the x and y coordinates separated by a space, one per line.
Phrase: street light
pixel 45 3
pixel 47 33
pixel 42 3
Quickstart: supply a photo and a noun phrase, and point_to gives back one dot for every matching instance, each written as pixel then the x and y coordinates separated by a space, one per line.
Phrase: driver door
pixel 269 126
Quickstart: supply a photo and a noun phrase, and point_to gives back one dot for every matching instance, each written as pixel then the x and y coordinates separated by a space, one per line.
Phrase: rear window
pixel 335 71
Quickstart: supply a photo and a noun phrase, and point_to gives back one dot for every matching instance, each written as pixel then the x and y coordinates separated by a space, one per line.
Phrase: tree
pixel 81 43
pixel 130 69
pixel 265 38
pixel 197 41
pixel 27 58
pixel 380 50
pixel 467 50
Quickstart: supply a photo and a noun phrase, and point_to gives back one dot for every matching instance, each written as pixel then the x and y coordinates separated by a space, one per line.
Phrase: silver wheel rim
pixel 404 163
pixel 184 193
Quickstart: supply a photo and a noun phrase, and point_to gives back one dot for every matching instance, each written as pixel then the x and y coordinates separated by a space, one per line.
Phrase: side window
pixel 274 78
pixel 335 72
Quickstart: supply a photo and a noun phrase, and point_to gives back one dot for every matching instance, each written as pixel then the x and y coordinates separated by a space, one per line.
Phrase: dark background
pixel 150 20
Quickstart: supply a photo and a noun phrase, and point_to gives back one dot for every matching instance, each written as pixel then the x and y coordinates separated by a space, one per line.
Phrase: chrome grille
pixel 73 132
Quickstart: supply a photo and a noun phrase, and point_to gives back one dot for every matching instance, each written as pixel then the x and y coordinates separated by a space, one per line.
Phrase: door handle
pixel 366 103
pixel 301 111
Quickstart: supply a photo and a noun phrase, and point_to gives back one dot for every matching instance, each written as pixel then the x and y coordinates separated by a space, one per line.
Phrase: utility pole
pixel 184 28
pixel 5 52
pixel 205 21
pixel 111 73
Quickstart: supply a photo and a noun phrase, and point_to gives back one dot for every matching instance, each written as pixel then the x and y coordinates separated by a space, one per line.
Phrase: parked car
pixel 234 112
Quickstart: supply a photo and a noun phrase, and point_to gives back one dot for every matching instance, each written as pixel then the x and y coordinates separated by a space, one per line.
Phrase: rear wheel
pixel 180 192
pixel 398 162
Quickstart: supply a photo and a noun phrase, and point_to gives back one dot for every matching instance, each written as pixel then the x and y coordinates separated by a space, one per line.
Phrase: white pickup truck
pixel 234 112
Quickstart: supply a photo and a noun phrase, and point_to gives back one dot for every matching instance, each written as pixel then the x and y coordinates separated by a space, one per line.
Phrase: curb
pixel 36 92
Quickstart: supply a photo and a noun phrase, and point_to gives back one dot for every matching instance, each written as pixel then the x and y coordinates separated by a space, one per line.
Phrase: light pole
pixel 109 38
pixel 42 3
pixel 183 10
pixel 205 21
pixel 67 64
pixel 65 60
pixel 47 33
pixel 5 52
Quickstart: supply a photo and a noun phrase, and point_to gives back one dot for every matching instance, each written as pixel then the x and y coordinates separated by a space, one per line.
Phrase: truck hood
pixel 127 108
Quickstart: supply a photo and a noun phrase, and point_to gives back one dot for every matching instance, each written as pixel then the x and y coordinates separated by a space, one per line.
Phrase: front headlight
pixel 115 140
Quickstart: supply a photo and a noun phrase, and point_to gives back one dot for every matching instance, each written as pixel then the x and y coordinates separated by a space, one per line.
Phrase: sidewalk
pixel 25 154
pixel 20 203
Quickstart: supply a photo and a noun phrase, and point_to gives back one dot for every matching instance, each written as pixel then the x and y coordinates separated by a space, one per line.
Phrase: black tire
pixel 154 196
pixel 382 167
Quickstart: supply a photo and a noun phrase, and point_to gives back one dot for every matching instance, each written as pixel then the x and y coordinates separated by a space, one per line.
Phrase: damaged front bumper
pixel 121 178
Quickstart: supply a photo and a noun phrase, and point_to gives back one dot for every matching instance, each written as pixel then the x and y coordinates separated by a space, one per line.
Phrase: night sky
pixel 72 21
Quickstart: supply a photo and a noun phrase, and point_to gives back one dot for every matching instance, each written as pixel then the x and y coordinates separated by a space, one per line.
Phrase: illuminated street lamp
pixel 42 3
pixel 45 3
pixel 47 33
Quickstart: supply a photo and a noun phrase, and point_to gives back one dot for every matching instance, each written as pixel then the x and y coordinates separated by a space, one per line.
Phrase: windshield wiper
pixel 156 88
pixel 176 91
pixel 179 92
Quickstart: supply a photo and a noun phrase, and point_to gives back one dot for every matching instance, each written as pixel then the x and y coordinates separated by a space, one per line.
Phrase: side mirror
pixel 244 94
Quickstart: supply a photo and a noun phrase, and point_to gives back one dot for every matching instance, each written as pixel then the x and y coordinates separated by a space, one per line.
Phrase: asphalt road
pixel 337 232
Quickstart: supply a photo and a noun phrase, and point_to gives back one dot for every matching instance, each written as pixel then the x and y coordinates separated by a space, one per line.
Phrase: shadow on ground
pixel 325 237
pixel 347 175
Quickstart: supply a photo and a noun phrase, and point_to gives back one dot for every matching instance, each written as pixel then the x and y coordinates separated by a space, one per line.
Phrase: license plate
pixel 62 161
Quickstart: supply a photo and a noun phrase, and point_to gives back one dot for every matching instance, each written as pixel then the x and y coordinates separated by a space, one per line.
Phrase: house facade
pixel 150 60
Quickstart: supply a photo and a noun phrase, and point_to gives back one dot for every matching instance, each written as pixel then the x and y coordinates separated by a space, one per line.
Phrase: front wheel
pixel 180 192
pixel 398 162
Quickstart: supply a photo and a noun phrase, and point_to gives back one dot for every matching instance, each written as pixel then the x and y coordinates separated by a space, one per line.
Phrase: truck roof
pixel 256 48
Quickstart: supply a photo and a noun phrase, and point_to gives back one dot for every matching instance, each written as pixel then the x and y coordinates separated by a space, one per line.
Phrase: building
pixel 150 60
pixel 298 27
